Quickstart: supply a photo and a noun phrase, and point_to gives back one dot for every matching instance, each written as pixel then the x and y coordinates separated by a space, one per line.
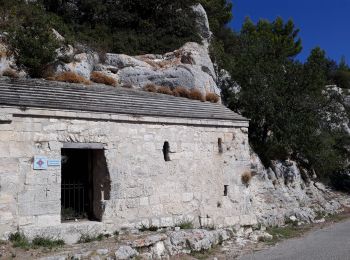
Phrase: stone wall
pixel 145 190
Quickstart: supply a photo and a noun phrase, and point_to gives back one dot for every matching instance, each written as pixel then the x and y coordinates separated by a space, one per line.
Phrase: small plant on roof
pixel 150 87
pixel 212 97
pixel 181 92
pixel 99 77
pixel 165 90
pixel 10 73
pixel 196 95
pixel 127 85
pixel 72 77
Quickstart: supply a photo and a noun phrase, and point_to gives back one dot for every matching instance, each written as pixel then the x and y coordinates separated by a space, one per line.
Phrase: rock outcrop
pixel 8 65
pixel 280 194
pixel 190 66
pixel 167 244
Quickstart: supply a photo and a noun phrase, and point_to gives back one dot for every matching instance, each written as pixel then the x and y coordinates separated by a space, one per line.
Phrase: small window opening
pixel 166 151
pixel 221 150
pixel 225 190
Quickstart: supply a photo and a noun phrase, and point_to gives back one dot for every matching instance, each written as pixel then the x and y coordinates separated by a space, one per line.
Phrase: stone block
pixel 248 220
pixel 39 208
pixel 144 201
pixel 47 220
pixel 231 221
pixel 166 222
pixel 132 203
pixel 187 197
pixel 4 150
pixel 154 200
pixel 9 165
pixel 148 137
pixel 155 222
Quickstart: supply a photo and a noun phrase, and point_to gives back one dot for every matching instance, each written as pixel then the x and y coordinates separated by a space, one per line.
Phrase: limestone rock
pixel 148 241
pixel 125 252
pixel 202 22
pixel 190 66
pixel 259 235
pixel 7 61
pixel 83 64
pixel 57 35
pixel 65 53
pixel 122 61
pixel 102 251
pixel 283 185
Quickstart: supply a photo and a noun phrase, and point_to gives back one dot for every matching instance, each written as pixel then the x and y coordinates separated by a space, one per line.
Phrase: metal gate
pixel 73 201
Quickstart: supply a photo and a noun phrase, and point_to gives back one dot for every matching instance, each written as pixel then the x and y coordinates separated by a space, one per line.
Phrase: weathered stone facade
pixel 145 189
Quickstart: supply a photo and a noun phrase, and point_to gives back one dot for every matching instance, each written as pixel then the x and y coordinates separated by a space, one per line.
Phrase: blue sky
pixel 322 23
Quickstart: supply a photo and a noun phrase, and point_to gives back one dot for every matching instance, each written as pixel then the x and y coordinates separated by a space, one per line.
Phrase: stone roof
pixel 100 98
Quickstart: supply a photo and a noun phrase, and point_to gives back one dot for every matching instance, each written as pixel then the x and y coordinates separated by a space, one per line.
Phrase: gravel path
pixel 329 243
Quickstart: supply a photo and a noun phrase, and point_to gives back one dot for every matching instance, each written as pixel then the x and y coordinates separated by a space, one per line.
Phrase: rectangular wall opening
pixel 85 184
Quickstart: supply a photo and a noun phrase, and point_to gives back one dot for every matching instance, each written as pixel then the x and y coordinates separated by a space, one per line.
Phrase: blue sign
pixel 54 162
pixel 40 163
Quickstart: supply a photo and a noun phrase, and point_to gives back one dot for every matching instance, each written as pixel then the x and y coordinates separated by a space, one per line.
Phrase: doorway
pixel 85 184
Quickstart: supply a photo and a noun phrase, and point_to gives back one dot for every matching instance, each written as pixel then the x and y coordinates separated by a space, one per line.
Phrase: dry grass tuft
pixel 196 95
pixel 10 73
pixel 99 77
pixel 165 90
pixel 181 92
pixel 72 77
pixel 212 97
pixel 127 85
pixel 3 54
pixel 150 87
pixel 246 178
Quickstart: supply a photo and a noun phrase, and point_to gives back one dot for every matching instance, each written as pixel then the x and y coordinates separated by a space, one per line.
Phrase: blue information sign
pixel 54 162
pixel 40 163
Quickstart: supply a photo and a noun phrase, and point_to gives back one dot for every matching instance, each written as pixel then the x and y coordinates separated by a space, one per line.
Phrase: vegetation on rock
pixel 291 117
pixel 72 77
pixel 99 77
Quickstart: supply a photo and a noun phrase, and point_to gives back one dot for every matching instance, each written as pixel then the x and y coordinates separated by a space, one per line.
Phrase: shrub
pixel 165 90
pixel 47 242
pixel 196 95
pixel 72 77
pixel 19 240
pixel 99 77
pixel 181 92
pixel 86 238
pixel 128 85
pixel 185 224
pixel 212 97
pixel 246 178
pixel 10 73
pixel 30 37
pixel 144 228
pixel 150 88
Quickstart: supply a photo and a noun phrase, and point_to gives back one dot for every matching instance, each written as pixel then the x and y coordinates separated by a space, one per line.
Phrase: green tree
pixel 131 26
pixel 30 36
pixel 284 98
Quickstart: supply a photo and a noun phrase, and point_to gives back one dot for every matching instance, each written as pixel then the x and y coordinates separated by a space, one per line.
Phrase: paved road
pixel 330 243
